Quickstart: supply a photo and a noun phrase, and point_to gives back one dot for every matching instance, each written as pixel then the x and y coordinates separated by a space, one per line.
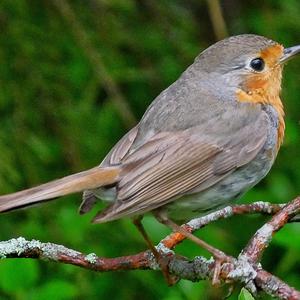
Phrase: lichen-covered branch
pixel 257 207
pixel 244 269
pixel 262 238
pixel 22 248
pixel 199 268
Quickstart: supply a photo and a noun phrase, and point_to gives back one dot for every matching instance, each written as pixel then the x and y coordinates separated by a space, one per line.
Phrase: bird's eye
pixel 257 64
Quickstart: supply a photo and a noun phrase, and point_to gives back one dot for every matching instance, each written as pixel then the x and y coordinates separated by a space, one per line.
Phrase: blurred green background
pixel 74 77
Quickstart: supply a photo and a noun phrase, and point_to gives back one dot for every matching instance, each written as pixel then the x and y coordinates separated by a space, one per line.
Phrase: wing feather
pixel 171 164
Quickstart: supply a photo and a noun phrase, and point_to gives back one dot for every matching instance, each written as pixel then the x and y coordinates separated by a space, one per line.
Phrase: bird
pixel 202 143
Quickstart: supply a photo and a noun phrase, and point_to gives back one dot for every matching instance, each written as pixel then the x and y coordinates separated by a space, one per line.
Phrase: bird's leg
pixel 219 256
pixel 163 263
pixel 137 221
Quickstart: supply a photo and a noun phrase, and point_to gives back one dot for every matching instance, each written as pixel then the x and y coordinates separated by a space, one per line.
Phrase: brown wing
pixel 118 152
pixel 172 164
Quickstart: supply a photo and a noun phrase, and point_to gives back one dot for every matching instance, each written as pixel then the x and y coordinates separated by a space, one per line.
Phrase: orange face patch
pixel 270 79
pixel 264 87
pixel 272 54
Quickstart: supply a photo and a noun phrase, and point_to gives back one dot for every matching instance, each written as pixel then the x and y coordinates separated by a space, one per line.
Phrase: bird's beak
pixel 288 53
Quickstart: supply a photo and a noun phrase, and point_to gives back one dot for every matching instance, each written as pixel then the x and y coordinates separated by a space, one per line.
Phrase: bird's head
pixel 249 62
pixel 251 65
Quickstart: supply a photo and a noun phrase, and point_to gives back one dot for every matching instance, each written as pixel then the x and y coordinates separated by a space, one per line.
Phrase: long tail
pixel 86 180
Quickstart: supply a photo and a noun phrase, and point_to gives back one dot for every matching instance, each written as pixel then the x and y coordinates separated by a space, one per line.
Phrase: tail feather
pixel 86 180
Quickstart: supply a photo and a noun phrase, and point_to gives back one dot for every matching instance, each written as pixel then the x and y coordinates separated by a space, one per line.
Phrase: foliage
pixel 245 295
pixel 58 116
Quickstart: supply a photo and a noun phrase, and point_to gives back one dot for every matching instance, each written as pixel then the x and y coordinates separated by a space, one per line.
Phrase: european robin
pixel 202 143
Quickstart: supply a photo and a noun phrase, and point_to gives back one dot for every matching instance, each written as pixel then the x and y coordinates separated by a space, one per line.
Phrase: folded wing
pixel 171 164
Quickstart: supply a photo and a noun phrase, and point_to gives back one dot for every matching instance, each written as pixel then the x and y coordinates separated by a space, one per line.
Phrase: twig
pixel 21 248
pixel 257 207
pixel 275 287
pixel 199 268
pixel 244 269
pixel 217 19
pixel 262 238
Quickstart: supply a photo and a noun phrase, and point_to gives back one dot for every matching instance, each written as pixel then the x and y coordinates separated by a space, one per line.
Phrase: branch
pixel 257 207
pixel 21 248
pixel 262 238
pixel 217 19
pixel 199 268
pixel 243 269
